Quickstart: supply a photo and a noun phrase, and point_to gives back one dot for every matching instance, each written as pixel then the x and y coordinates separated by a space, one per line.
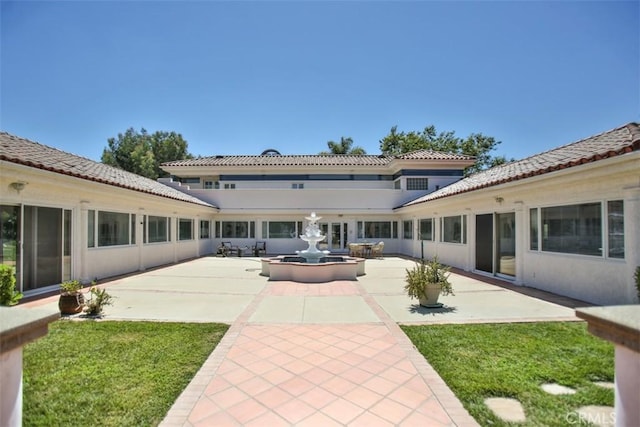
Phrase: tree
pixel 476 145
pixel 343 147
pixel 142 153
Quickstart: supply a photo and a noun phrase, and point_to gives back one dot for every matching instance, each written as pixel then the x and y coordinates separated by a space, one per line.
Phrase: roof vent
pixel 270 152
pixel 219 157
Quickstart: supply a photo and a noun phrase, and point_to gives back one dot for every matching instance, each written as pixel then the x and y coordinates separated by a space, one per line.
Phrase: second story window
pixel 229 186
pixel 297 185
pixel 417 183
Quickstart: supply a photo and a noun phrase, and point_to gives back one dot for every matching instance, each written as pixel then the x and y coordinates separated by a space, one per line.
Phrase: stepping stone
pixel 604 384
pixel 556 389
pixel 507 409
pixel 601 416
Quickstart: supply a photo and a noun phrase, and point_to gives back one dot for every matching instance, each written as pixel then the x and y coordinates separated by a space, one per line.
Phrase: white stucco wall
pixel 595 279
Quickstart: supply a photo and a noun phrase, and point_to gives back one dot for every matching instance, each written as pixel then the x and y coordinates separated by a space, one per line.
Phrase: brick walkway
pixel 305 374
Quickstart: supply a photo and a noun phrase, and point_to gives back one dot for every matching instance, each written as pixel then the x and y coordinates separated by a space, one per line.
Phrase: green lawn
pixel 112 373
pixel 513 360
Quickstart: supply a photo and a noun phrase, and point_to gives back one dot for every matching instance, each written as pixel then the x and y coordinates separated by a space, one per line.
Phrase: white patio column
pixel 18 326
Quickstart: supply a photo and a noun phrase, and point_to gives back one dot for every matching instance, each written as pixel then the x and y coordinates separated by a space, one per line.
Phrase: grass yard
pixel 112 373
pixel 513 360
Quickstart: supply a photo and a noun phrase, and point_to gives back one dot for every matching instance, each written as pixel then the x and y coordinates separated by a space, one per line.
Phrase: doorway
pixel 496 243
pixel 336 233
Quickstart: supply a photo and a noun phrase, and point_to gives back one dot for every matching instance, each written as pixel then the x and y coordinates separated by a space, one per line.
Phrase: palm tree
pixel 343 147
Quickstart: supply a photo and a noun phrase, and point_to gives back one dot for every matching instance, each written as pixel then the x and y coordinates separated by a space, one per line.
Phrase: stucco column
pixel 140 242
pixel 83 242
pixel 522 227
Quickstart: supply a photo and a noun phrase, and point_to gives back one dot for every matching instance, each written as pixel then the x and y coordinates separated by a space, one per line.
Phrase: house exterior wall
pixel 47 189
pixel 595 279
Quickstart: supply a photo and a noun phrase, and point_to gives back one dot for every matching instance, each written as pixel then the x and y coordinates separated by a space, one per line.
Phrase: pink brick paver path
pixel 316 374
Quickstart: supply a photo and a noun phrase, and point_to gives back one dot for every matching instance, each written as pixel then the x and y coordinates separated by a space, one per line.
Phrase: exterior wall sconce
pixel 18 185
pixel 499 200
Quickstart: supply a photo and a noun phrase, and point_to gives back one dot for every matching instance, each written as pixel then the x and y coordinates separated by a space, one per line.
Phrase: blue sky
pixel 241 77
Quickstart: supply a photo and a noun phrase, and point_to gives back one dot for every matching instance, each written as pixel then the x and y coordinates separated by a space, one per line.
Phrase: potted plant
pixel 98 299
pixel 71 299
pixel 8 293
pixel 426 281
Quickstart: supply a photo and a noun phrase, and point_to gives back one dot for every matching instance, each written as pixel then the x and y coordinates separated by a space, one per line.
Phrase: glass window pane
pixel 235 229
pixel 615 213
pixel 575 229
pixel 185 229
pixel 407 229
pixel 426 229
pixel 282 229
pixel 91 228
pixel 452 229
pixel 158 229
pixel 204 229
pixel 113 228
pixel 377 230
pixel 533 229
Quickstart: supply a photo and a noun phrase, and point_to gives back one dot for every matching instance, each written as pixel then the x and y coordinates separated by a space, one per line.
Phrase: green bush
pixel 637 277
pixel 8 293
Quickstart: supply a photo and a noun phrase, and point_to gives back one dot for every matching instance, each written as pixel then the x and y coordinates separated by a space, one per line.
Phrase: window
pixel 575 229
pixel 204 229
pixel 282 229
pixel 91 232
pixel 426 229
pixel 417 183
pixel 454 229
pixel 533 229
pixel 236 229
pixel 397 184
pixel 375 229
pixel 407 229
pixel 615 227
pixel 297 186
pixel 208 185
pixel 113 228
pixel 157 229
pixel 185 229
pixel 190 180
pixel 229 186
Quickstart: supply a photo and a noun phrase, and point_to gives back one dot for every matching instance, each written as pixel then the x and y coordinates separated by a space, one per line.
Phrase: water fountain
pixel 312 235
pixel 312 265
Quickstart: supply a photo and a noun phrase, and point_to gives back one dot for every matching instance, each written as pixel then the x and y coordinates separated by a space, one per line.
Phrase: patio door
pixel 336 233
pixel 496 243
pixel 46 247
pixel 484 243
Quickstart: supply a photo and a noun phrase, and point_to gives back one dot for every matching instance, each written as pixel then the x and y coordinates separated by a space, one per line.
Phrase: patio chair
pixel 259 247
pixel 376 250
pixel 226 248
pixel 356 249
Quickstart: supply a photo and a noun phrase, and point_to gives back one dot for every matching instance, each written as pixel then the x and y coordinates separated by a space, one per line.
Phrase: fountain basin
pixel 296 269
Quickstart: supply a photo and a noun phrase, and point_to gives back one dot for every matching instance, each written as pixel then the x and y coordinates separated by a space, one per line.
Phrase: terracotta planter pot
pixel 432 292
pixel 71 304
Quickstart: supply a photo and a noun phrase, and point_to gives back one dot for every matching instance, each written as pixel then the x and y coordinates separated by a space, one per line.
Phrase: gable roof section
pixel 608 144
pixel 21 151
pixel 314 160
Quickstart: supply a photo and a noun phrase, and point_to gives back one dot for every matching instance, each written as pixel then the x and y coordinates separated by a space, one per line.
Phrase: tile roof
pixel 315 160
pixel 608 144
pixel 18 150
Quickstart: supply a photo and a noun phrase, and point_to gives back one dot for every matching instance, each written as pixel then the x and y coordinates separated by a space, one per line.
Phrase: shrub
pixel 8 293
pixel 99 298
